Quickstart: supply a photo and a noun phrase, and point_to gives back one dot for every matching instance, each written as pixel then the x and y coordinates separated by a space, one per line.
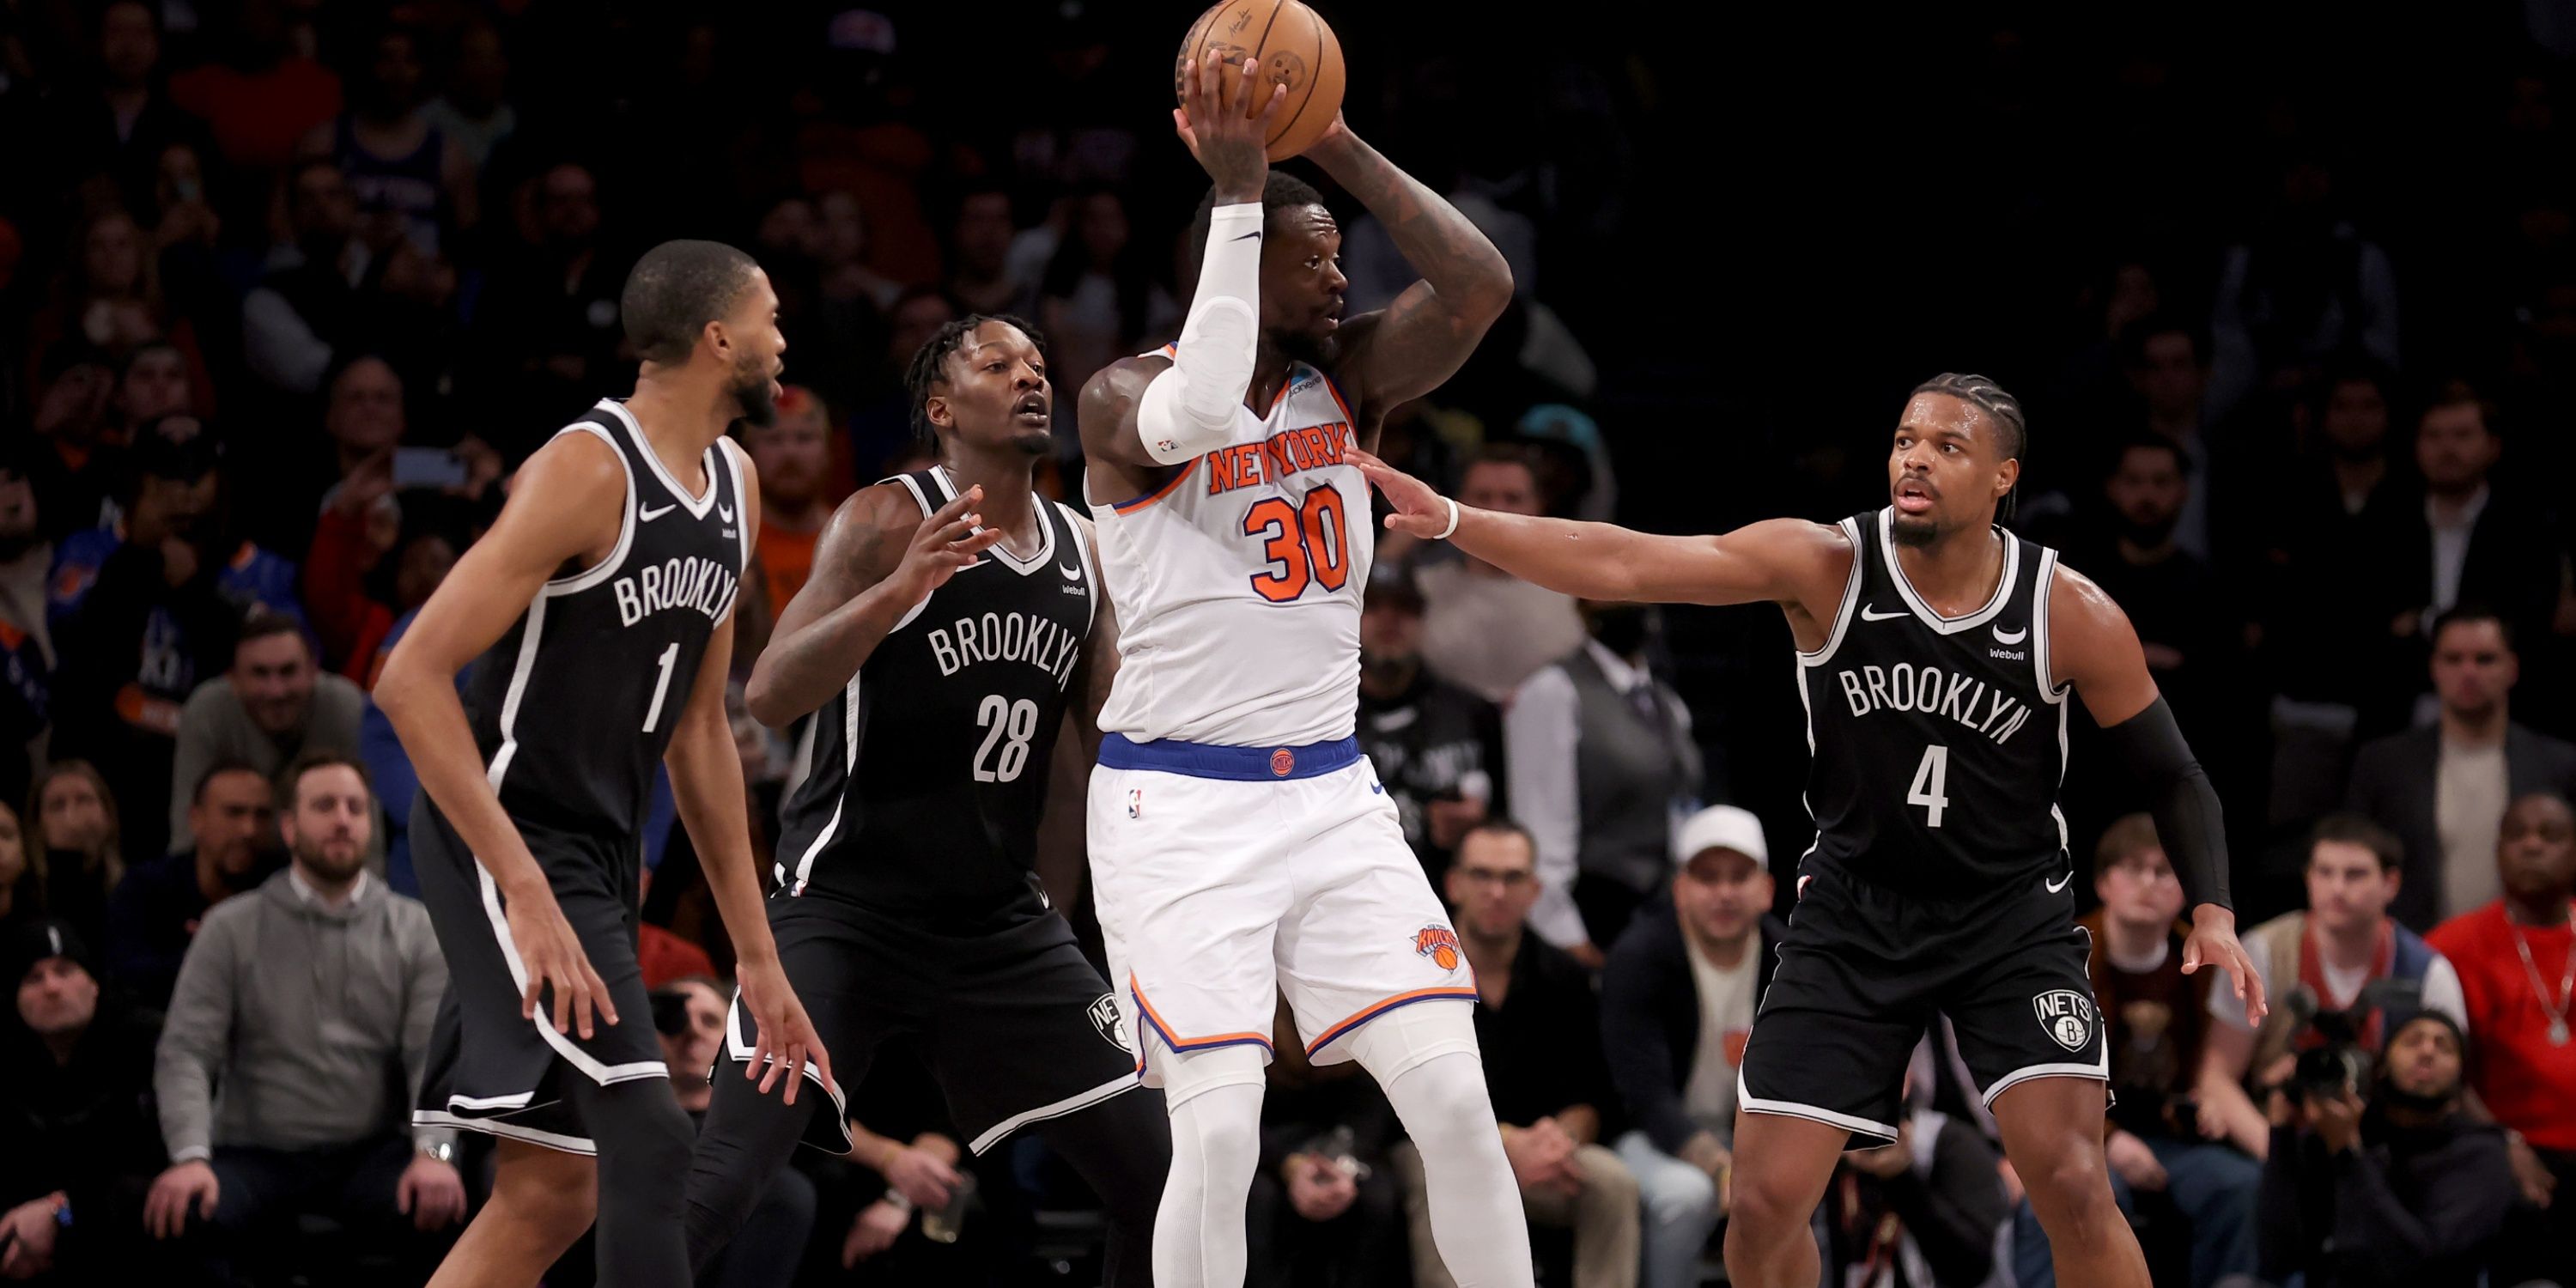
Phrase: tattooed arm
pixel 1406 349
pixel 877 558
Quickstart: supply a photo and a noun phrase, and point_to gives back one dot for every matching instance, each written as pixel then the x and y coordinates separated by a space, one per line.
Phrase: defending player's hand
pixel 787 1038
pixel 2213 943
pixel 944 544
pixel 1419 510
pixel 1222 130
pixel 554 960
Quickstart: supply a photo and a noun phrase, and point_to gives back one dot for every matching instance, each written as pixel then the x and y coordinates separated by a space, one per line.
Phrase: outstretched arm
pixel 1408 348
pixel 1783 561
pixel 2094 648
pixel 877 558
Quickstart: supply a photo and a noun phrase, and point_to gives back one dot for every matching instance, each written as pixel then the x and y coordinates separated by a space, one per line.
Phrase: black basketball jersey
pixel 928 771
pixel 1939 742
pixel 576 704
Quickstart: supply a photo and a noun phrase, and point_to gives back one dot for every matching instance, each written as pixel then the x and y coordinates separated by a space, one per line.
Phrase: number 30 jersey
pixel 1939 741
pixel 928 771
pixel 1238 583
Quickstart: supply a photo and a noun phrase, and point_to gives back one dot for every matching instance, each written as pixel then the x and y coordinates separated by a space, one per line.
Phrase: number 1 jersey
pixel 929 769
pixel 1238 583
pixel 1939 742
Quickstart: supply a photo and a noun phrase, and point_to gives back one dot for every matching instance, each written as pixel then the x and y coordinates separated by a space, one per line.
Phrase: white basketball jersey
pixel 1238 583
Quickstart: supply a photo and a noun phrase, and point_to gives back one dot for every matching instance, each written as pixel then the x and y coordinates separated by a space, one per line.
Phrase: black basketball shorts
pixel 490 1069
pixel 1016 1025
pixel 1864 972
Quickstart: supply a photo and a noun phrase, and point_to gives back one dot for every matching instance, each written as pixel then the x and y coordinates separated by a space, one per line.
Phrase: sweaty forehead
pixel 1311 222
pixel 1929 412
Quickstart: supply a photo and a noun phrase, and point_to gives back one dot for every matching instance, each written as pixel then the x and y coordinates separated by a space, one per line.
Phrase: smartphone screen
pixel 428 467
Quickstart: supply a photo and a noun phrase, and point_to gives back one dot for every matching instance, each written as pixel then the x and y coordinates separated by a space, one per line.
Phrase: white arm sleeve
pixel 1190 409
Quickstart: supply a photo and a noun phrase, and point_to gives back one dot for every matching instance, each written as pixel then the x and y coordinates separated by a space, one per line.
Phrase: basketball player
pixel 1241 846
pixel 601 605
pixel 1935 653
pixel 951 623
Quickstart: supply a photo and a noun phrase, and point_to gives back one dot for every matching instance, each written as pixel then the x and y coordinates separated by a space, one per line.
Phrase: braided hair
pixel 929 363
pixel 1982 393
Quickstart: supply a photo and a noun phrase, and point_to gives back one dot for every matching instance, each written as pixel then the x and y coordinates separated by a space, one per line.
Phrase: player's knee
pixel 546 1189
pixel 1762 1208
pixel 2071 1192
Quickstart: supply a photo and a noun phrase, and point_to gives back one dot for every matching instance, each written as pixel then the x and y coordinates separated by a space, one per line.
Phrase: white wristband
pixel 1443 534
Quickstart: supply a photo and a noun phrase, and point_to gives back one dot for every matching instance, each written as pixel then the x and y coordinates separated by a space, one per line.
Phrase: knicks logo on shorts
pixel 1440 944
pixel 2067 1015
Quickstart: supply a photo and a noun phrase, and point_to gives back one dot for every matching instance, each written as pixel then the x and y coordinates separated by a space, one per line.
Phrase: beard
pixel 2149 534
pixel 1914 530
pixel 2428 1102
pixel 316 857
pixel 1306 347
pixel 751 393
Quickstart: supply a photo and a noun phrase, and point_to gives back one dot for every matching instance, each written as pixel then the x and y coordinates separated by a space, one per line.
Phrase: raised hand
pixel 1228 132
pixel 946 543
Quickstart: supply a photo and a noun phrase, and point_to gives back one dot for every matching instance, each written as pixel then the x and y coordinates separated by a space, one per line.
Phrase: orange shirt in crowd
pixel 2527 1081
pixel 785 560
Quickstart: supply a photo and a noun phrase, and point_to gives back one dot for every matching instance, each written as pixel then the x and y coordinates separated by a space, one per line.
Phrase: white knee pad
pixel 1400 1040
pixel 1186 1074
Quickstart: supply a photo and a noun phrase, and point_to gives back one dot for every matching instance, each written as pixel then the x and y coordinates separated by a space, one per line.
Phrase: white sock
pixel 1424 1058
pixel 1216 1146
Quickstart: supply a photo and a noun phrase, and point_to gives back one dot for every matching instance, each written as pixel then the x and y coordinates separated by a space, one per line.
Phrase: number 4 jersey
pixel 1238 583
pixel 928 771
pixel 1939 741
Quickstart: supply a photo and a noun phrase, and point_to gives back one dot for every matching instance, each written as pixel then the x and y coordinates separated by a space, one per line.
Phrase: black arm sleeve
pixel 2184 804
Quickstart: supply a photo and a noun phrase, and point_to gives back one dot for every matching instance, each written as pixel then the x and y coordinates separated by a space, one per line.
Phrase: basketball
pixel 1292 46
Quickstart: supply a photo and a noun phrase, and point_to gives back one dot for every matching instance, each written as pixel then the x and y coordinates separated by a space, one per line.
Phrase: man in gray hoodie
pixel 294 1048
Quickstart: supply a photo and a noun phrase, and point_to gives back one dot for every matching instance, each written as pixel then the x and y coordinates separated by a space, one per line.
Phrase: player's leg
pixel 644 1139
pixel 542 1200
pixel 2031 1036
pixel 1424 1058
pixel 1214 1099
pixel 1782 1165
pixel 1122 1148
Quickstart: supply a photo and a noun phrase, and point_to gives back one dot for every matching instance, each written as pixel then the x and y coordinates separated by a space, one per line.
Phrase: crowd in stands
pixel 288 290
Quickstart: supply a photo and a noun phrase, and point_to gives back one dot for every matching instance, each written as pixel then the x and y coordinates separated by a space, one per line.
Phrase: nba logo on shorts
pixel 1136 803
pixel 1282 763
pixel 1440 944
pixel 2067 1015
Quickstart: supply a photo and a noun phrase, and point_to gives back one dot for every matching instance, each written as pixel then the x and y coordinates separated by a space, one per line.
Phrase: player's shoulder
pixel 1125 379
pixel 581 454
pixel 2069 588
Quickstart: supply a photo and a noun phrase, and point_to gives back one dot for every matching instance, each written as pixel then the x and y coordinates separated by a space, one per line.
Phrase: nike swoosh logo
pixel 1070 574
pixel 2060 883
pixel 725 513
pixel 1870 613
pixel 1254 235
pixel 649 514
pixel 2014 637
pixel 1377 789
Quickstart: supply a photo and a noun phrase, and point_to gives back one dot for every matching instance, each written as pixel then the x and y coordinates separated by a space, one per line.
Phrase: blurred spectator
pixel 264 91
pixel 1924 1210
pixel 1324 1210
pixel 2472 546
pixel 547 326
pixel 155 910
pixel 1482 628
pixel 1539 1031
pixel 980 275
pixel 2168 593
pixel 1098 300
pixel 26 640
pixel 2442 788
pixel 120 128
pixel 689 1014
pixel 111 302
pixel 2157 1015
pixel 272 706
pixel 77 462
pixel 1677 1002
pixel 410 180
pixel 662 956
pixel 916 1165
pixel 1601 761
pixel 881 428
pixel 154 383
pixel 2303 286
pixel 793 457
pixel 319 1066
pixel 2169 375
pixel 78 1141
pixel 1436 747
pixel 73 849
pixel 475 113
pixel 294 321
pixel 2403 1189
pixel 2339 971
pixel 20 893
pixel 2515 957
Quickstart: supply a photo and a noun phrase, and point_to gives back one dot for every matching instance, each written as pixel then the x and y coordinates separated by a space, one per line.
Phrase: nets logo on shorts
pixel 1104 1019
pixel 2067 1015
pixel 1440 944
pixel 1283 762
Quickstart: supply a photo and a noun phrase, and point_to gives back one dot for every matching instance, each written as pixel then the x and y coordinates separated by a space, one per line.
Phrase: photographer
pixel 2405 1189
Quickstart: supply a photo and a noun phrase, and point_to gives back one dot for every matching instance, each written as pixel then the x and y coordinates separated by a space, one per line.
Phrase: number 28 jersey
pixel 929 769
pixel 1238 583
pixel 1939 742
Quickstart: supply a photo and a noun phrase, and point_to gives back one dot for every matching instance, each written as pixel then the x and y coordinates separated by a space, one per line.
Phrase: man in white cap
pixel 1677 1002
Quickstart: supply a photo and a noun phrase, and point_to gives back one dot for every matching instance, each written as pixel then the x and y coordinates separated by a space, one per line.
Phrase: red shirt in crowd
pixel 2527 1081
